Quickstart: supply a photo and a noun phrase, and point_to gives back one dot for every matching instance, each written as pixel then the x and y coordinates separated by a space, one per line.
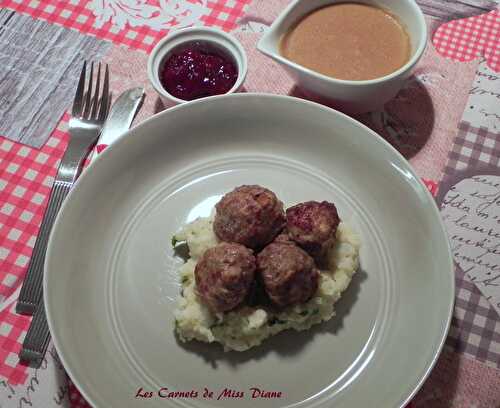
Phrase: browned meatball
pixel 287 272
pixel 224 275
pixel 249 215
pixel 312 225
pixel 283 238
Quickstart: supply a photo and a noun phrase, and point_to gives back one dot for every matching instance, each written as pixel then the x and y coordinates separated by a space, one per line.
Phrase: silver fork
pixel 90 109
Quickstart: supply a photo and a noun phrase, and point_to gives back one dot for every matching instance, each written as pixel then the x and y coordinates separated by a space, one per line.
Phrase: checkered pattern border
pixel 468 38
pixel 26 177
pixel 475 328
pixel 473 147
pixel 78 15
pixel 225 14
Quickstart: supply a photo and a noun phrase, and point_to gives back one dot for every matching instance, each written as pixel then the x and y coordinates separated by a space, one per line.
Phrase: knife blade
pixel 119 119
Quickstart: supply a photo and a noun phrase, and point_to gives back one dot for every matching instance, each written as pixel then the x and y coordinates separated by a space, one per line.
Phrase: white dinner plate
pixel 111 279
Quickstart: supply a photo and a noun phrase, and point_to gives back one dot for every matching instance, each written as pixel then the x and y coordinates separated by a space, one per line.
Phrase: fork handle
pixel 37 339
pixel 80 142
pixel 31 291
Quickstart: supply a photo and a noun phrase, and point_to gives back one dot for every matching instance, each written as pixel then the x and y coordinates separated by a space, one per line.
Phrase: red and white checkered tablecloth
pixel 469 38
pixel 26 177
pixel 27 174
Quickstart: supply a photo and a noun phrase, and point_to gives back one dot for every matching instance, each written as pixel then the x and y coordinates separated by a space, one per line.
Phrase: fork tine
pixel 89 92
pixel 110 101
pixel 106 97
pixel 77 102
pixel 97 89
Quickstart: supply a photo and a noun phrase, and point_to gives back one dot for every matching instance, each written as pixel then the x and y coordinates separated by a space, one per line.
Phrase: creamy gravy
pixel 348 41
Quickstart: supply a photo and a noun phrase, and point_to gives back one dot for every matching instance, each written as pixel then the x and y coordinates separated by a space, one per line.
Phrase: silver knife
pixel 119 119
pixel 118 122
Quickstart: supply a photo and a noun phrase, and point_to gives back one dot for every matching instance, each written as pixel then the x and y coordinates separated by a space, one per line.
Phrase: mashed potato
pixel 246 327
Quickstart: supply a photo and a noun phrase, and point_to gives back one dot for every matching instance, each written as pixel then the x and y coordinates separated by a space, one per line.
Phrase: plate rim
pixel 254 95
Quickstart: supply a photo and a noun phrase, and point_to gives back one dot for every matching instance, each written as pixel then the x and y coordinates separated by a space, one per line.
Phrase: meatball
pixel 283 238
pixel 287 272
pixel 312 225
pixel 224 275
pixel 249 215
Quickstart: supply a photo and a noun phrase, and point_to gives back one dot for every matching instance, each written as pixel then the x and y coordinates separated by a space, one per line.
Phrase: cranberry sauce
pixel 197 70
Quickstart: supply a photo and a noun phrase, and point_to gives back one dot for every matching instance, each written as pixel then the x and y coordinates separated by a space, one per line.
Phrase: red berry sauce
pixel 198 70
